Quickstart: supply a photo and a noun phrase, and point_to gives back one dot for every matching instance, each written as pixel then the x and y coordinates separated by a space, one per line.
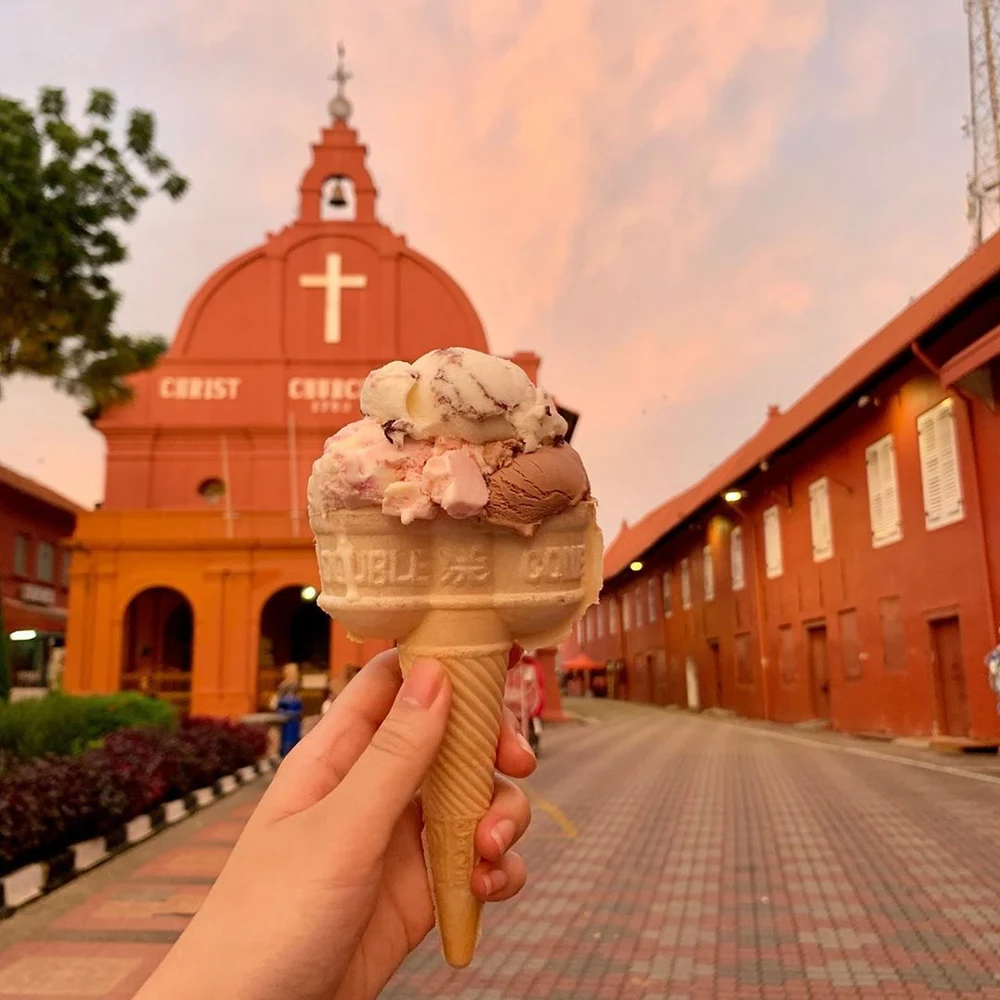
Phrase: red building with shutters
pixel 35 524
pixel 844 563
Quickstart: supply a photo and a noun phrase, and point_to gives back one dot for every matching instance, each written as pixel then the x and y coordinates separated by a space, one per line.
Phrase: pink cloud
pixel 587 170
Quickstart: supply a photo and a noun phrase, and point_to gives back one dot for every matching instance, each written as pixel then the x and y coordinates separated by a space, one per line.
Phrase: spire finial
pixel 340 106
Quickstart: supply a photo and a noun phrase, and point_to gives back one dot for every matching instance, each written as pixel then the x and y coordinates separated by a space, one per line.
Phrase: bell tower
pixel 337 186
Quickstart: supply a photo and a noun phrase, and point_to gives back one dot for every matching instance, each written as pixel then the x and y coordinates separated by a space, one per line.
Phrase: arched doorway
pixel 293 629
pixel 157 645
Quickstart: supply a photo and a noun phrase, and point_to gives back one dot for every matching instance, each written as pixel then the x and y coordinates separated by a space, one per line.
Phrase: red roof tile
pixel 895 338
pixel 29 487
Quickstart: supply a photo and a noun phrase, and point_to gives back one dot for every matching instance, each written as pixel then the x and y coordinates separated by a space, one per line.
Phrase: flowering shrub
pixel 50 802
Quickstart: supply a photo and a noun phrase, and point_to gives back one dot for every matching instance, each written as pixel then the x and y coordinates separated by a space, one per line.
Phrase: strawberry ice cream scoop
pixel 362 467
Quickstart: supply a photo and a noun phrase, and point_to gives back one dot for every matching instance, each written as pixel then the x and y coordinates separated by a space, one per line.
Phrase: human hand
pixel 326 891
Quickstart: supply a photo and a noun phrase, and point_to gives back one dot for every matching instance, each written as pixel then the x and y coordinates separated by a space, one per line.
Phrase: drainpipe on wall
pixel 970 441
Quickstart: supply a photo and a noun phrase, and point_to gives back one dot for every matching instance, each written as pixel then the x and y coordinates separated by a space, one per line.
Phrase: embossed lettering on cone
pixel 463 592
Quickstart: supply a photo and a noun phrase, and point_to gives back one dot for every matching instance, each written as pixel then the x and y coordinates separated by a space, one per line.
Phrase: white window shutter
pixel 686 583
pixel 939 469
pixel 626 611
pixel 873 459
pixel 736 558
pixel 820 520
pixel 708 573
pixel 772 543
pixel 951 474
pixel 883 493
pixel 890 485
pixel 637 596
pixel 668 596
pixel 651 599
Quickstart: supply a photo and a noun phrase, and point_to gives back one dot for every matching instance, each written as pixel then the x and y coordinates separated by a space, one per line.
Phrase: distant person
pixel 524 695
pixel 54 669
pixel 993 671
pixel 289 703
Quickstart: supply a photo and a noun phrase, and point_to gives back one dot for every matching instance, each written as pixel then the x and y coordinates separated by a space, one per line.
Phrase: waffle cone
pixel 459 787
pixel 461 592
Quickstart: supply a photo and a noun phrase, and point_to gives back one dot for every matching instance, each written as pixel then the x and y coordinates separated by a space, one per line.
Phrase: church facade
pixel 196 579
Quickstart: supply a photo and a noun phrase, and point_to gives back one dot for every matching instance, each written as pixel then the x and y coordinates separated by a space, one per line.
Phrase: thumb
pixel 388 773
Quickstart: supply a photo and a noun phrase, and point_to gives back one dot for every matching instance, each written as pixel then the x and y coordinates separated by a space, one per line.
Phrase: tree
pixel 65 194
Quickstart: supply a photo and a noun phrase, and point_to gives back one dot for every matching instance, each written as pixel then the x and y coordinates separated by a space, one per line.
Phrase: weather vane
pixel 340 106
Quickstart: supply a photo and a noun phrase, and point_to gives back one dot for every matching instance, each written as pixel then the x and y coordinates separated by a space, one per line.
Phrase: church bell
pixel 337 199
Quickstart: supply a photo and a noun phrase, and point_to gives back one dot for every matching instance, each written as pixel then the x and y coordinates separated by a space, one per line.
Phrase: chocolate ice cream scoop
pixel 534 486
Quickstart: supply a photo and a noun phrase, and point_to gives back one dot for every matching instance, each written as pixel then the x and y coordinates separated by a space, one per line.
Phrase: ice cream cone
pixel 460 591
pixel 459 787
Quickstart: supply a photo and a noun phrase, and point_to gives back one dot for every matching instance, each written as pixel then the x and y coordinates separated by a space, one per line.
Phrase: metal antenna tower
pixel 983 122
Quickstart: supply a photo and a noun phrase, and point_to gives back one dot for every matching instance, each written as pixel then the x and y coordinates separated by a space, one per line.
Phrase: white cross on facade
pixel 333 281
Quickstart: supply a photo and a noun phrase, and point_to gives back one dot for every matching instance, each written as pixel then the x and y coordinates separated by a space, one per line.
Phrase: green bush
pixel 67 724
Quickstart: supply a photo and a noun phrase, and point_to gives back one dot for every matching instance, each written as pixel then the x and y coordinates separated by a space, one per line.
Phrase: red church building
pixel 197 578
pixel 844 563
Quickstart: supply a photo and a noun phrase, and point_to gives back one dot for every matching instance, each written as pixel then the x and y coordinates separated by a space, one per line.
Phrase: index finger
pixel 324 756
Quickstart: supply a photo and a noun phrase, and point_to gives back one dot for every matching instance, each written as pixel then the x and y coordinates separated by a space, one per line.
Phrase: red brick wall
pixel 25 515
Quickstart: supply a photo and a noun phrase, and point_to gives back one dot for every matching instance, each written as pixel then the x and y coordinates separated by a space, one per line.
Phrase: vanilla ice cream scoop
pixel 460 393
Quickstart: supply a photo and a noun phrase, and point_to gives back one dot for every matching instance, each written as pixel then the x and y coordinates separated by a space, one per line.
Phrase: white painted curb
pixel 33 881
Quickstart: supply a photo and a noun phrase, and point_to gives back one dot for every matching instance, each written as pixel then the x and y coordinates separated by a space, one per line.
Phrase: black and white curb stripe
pixel 32 881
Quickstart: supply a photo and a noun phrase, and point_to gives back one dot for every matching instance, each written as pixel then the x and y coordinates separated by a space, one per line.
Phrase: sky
pixel 689 210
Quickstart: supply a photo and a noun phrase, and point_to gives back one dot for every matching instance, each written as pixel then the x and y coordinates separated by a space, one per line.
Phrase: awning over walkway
pixel 581 662
pixel 18 615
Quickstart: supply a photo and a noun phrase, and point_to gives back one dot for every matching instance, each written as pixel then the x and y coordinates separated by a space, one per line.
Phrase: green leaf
pixel 101 104
pixel 66 195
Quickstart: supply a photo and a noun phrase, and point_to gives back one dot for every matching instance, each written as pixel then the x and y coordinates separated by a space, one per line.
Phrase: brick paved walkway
pixel 672 856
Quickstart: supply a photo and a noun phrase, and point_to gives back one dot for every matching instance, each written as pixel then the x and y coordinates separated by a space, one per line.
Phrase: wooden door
pixel 819 671
pixel 661 682
pixel 949 677
pixel 641 687
pixel 678 692
pixel 716 672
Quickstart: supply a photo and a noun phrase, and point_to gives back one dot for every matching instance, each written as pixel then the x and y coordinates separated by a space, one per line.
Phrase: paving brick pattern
pixel 713 861
pixel 671 856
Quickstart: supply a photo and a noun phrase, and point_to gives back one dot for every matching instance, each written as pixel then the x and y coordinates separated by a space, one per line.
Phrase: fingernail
pixel 497 880
pixel 503 836
pixel 492 882
pixel 423 683
pixel 523 743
